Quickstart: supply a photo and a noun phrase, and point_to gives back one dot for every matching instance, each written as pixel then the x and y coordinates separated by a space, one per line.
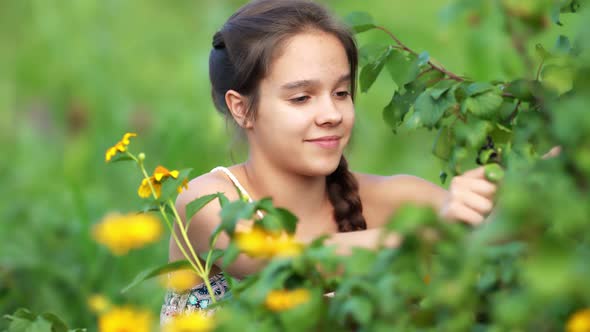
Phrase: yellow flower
pixel 579 321
pixel 121 233
pixel 160 174
pixel 120 146
pixel 125 319
pixel 98 303
pixel 285 246
pixel 183 186
pixel 254 243
pixel 144 190
pixel 281 300
pixel 181 280
pixel 193 322
pixel 259 243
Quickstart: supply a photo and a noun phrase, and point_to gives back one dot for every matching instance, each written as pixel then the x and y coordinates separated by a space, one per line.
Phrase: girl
pixel 284 72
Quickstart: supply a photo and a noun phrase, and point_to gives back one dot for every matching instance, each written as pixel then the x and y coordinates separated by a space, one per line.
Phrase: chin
pixel 322 167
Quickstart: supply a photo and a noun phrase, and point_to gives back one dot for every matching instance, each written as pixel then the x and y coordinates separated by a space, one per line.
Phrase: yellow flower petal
pixel 120 146
pixel 286 246
pixel 193 322
pixel 254 243
pixel 162 172
pixel 98 303
pixel 579 321
pixel 121 233
pixel 126 137
pixel 111 152
pixel 125 319
pixel 144 190
pixel 281 300
pixel 181 280
pixel 183 186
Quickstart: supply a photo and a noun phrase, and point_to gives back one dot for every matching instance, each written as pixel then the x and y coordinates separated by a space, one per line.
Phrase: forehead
pixel 312 55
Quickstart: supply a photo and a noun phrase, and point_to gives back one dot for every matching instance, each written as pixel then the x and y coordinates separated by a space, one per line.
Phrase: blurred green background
pixel 76 75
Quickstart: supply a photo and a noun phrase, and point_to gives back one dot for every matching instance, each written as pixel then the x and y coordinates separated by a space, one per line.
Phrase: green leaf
pixel 401 69
pixel 370 71
pixel 522 89
pixel 563 45
pixel 359 308
pixel 423 58
pixel 156 271
pixel 473 133
pixel 478 88
pixel 484 105
pixel 170 185
pixel 234 212
pixel 557 78
pixel 370 53
pixel 443 144
pixel 22 313
pixel 443 177
pixel 196 205
pixel 57 325
pixel 288 220
pixel 231 254
pixel 440 88
pixel 430 110
pixel 223 201
pixel 265 204
pixel 215 255
pixel 395 111
pixel 120 157
pixel 409 218
pixel 543 54
pixel 271 223
pixel 360 21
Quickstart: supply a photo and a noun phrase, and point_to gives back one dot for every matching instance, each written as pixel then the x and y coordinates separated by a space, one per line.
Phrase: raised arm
pixel 469 198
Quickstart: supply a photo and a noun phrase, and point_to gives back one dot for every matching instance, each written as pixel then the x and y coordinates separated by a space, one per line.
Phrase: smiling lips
pixel 328 142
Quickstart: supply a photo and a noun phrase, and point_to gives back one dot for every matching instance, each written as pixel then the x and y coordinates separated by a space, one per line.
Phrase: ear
pixel 237 105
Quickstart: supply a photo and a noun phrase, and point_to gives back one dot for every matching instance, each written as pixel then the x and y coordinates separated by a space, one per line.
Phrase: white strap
pixel 237 183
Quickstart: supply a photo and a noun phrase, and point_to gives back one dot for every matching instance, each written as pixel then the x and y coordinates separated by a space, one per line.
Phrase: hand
pixel 554 152
pixel 470 197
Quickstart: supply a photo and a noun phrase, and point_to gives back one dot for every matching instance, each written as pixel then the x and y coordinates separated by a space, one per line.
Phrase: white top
pixel 238 185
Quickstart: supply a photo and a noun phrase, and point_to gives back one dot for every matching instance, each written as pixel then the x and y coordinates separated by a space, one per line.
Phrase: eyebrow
pixel 307 83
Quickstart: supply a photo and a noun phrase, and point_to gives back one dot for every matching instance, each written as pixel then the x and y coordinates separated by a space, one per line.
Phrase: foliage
pixel 524 270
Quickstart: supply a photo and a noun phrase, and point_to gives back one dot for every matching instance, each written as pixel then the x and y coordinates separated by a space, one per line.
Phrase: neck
pixel 306 196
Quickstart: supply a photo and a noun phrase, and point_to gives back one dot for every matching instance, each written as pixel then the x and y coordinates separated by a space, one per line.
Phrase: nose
pixel 328 113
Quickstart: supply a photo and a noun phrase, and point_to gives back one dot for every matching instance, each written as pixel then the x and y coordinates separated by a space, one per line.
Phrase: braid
pixel 343 192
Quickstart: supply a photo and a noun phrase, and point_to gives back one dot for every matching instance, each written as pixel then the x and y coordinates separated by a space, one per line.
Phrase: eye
pixel 343 94
pixel 299 100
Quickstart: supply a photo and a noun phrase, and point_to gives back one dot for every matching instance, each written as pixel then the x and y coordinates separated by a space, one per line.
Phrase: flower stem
pixel 198 267
pixel 205 272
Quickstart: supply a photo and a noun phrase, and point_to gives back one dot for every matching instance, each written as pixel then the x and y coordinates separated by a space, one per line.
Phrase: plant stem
pixel 409 50
pixel 198 267
pixel 205 275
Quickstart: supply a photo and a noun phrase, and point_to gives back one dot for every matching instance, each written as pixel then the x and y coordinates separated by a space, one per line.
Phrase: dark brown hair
pixel 243 50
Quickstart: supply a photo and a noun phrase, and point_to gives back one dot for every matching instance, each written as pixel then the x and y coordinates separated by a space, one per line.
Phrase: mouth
pixel 329 142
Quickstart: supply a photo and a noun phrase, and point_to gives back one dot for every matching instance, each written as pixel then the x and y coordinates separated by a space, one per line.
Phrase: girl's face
pixel 305 113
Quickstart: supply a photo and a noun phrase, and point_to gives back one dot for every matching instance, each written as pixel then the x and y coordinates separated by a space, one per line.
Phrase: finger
pixel 479 186
pixel 478 173
pixel 554 152
pixel 465 214
pixel 476 202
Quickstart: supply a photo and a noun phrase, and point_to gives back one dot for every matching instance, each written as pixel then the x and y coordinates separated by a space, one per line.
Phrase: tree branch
pixel 439 68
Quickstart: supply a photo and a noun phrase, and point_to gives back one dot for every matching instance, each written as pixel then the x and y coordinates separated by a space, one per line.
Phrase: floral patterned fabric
pixel 194 299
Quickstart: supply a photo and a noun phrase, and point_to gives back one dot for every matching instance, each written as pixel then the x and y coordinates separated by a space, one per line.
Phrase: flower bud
pixel 141 156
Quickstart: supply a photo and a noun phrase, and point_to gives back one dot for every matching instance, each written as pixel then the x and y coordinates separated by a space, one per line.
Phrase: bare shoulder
pixel 206 184
pixel 382 195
